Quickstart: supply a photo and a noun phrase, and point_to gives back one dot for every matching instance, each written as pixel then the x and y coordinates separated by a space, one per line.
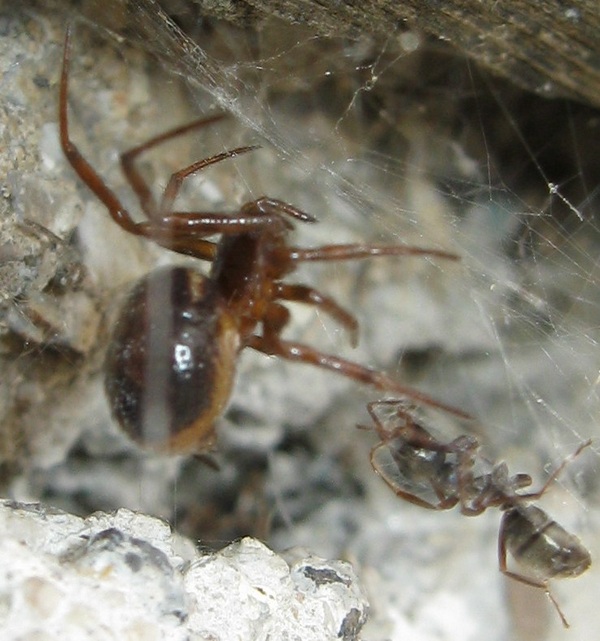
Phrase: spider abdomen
pixel 171 362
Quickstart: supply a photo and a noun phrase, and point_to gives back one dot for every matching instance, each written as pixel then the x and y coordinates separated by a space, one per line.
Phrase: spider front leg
pixel 135 178
pixel 272 345
pixel 151 209
pixel 356 251
pixel 264 206
pixel 180 232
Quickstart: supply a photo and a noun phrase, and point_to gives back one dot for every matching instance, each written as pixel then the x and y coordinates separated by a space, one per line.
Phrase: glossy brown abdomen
pixel 171 361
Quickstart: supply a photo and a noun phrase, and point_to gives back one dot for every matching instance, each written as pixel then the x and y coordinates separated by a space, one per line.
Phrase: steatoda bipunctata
pixel 424 471
pixel 172 359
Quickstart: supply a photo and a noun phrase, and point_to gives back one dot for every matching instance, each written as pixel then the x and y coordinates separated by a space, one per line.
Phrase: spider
pixel 171 362
pixel 435 475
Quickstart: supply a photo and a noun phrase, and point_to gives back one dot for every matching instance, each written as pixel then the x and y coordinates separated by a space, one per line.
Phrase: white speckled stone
pixel 126 576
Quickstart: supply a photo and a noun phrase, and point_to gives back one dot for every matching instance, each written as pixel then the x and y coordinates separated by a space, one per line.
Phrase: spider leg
pixel 203 223
pixel 291 351
pixel 310 296
pixel 186 245
pixel 85 171
pixel 176 180
pixel 254 216
pixel 182 231
pixel 264 204
pixel 359 251
pixel 273 206
pixel 135 179
pixel 169 231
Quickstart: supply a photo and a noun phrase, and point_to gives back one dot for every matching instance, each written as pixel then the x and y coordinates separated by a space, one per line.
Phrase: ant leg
pixel 533 496
pixel 310 296
pixel 502 566
pixel 413 433
pixel 386 433
pixel 291 351
pixel 408 429
pixel 359 251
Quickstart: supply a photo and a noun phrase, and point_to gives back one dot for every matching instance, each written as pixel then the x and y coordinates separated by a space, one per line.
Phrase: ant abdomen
pixel 537 542
pixel 169 368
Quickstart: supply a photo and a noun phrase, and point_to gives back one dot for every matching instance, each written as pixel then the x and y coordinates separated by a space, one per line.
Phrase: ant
pixel 435 475
pixel 170 367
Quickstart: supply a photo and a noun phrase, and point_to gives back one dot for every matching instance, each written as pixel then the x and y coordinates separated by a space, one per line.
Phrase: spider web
pixel 504 179
pixel 402 142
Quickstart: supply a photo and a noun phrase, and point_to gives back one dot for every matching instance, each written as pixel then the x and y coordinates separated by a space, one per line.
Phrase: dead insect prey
pixel 438 476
